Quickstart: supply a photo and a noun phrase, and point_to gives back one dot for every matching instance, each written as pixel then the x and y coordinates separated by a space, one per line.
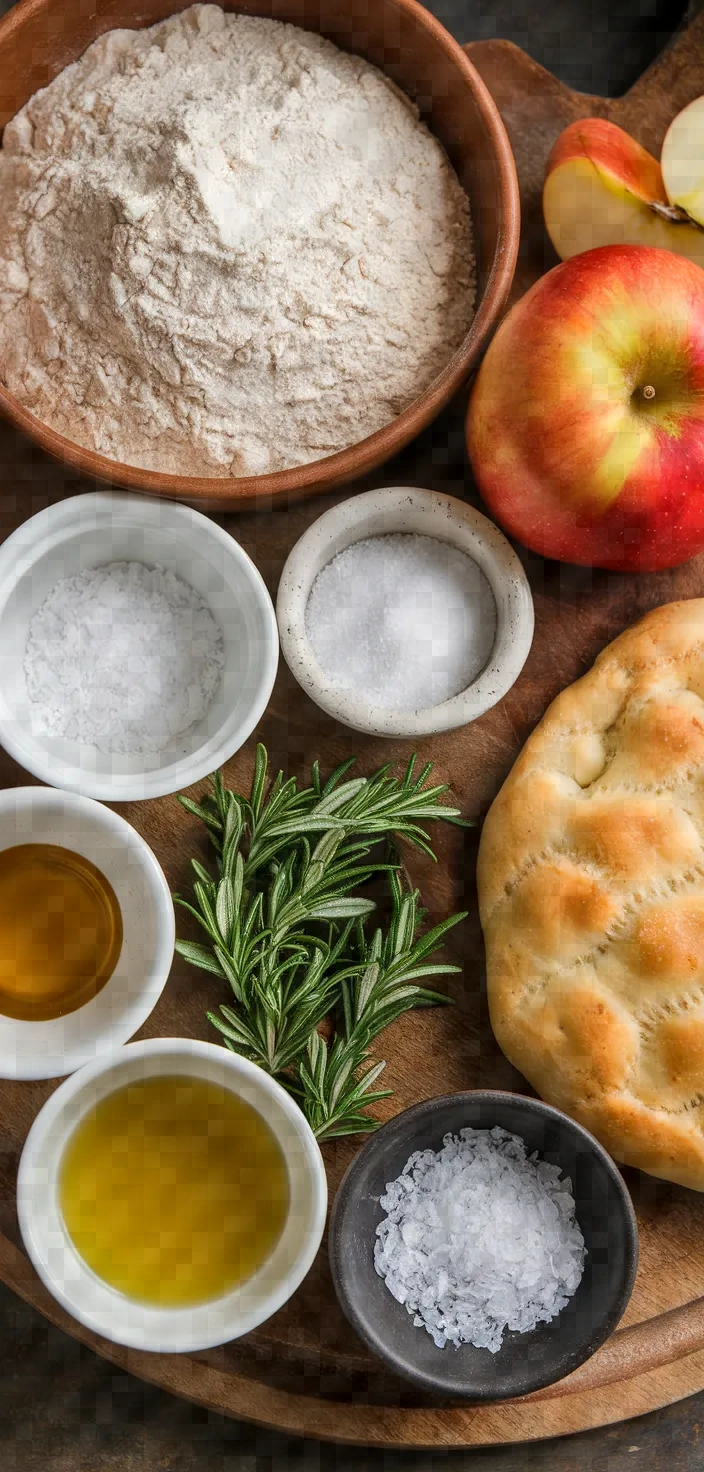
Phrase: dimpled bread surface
pixel 591 896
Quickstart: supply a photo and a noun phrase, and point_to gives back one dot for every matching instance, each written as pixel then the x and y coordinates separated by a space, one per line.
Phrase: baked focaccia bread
pixel 591 895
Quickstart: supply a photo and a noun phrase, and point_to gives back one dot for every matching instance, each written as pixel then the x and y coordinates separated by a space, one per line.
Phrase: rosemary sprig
pixel 285 928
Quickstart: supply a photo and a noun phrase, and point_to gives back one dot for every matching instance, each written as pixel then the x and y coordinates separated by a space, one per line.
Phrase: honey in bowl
pixel 60 931
pixel 174 1190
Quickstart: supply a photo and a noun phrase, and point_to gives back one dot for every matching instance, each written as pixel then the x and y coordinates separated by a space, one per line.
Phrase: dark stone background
pixel 64 1410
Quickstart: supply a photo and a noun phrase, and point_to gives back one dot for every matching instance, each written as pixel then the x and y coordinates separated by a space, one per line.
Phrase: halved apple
pixel 683 160
pixel 604 188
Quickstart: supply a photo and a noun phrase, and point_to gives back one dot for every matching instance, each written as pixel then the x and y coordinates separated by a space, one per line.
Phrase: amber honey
pixel 60 931
pixel 174 1190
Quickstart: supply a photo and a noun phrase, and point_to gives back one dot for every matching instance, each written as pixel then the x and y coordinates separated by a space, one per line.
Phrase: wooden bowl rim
pixel 366 454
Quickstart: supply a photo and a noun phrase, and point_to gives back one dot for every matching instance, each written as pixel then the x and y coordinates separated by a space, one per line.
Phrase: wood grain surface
pixel 305 1371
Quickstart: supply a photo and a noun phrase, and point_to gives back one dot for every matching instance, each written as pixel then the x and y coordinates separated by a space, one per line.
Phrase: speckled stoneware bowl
pixel 525 1362
pixel 426 513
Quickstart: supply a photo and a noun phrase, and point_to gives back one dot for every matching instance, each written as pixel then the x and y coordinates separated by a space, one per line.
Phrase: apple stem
pixel 648 391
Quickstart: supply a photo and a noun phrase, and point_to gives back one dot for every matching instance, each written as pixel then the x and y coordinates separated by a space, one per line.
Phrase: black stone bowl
pixel 526 1361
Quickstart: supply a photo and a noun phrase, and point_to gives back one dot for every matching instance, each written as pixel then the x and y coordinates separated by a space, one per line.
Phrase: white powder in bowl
pixel 226 248
pixel 478 1239
pixel 124 657
pixel 405 621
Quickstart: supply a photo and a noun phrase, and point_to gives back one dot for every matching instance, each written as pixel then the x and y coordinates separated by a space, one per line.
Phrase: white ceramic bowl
pixel 109 1312
pixel 51 1049
pixel 427 513
pixel 85 532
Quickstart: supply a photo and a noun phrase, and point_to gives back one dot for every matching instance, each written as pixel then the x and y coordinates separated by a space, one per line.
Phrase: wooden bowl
pixel 40 37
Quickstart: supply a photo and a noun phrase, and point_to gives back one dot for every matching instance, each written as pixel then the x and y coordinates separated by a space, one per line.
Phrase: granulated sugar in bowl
pixel 406 621
pixel 404 612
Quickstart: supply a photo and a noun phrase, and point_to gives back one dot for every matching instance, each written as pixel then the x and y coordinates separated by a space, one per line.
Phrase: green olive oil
pixel 174 1190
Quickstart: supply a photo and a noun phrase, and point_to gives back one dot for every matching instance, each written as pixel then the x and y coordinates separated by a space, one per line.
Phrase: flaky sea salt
pixel 406 621
pixel 479 1239
pixel 123 657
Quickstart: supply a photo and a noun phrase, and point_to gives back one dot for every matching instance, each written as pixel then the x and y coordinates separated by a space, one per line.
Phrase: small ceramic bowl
pixel 91 1300
pixel 51 1049
pixel 427 513
pixel 526 1361
pixel 86 532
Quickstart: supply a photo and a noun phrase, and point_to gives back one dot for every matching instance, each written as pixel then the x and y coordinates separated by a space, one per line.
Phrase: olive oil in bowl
pixel 174 1190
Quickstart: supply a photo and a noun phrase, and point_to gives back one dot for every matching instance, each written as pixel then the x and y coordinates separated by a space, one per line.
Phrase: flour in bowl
pixel 226 248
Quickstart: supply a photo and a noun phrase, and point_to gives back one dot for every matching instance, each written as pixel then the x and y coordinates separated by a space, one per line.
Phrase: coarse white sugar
pixel 123 657
pixel 406 621
pixel 479 1239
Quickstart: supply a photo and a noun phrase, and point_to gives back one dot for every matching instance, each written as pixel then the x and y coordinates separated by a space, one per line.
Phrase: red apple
pixel 603 188
pixel 586 421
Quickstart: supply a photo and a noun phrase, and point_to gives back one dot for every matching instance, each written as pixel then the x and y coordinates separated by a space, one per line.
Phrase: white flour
pixel 226 247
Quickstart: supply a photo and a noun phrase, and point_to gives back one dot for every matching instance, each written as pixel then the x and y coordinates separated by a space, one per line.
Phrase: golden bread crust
pixel 591 897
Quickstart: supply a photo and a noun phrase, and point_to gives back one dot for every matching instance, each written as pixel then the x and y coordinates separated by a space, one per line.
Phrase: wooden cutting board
pixel 305 1372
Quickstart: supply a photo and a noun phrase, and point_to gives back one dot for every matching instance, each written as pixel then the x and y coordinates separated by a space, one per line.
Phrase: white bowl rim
pixel 47 528
pixel 124 1027
pixel 168 1341
pixel 473 534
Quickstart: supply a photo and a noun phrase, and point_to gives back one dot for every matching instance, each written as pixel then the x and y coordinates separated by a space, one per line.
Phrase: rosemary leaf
pixel 199 956
pixel 286 927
